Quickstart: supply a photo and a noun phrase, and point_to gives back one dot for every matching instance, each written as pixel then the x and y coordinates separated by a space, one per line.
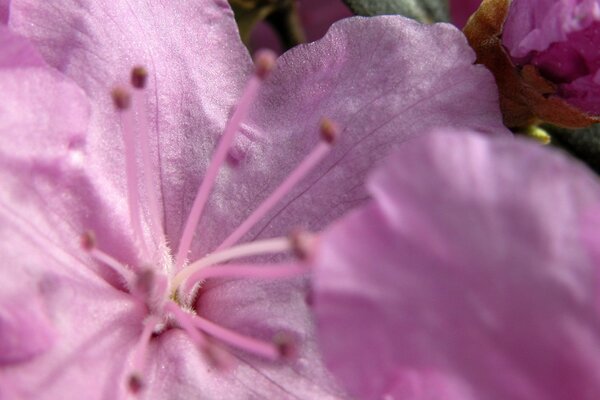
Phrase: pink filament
pixel 133 197
pixel 251 271
pixel 218 158
pixel 139 358
pixel 309 162
pixel 251 345
pixel 140 109
pixel 185 322
pixel 115 265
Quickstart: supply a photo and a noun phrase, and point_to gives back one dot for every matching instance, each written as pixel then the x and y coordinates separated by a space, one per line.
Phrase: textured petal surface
pixel 17 51
pixel 384 80
pixel 4 11
pixel 259 310
pixel 468 271
pixel 560 38
pixel 197 66
pixel 57 312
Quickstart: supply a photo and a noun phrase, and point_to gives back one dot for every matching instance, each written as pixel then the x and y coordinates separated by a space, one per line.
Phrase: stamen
pixel 135 381
pixel 139 77
pixel 251 271
pixel 122 101
pixel 303 244
pixel 269 246
pixel 251 345
pixel 185 321
pixel 241 111
pixel 88 242
pixel 286 345
pixel 329 132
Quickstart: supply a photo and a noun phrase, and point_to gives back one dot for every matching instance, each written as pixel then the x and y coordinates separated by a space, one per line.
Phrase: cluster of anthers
pixel 168 289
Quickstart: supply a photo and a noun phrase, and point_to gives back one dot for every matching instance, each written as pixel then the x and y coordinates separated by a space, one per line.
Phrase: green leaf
pixel 581 143
pixel 426 11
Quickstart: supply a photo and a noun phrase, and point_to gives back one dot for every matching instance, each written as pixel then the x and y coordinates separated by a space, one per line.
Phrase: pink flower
pixel 461 10
pixel 465 278
pixel 315 17
pixel 105 314
pixel 560 38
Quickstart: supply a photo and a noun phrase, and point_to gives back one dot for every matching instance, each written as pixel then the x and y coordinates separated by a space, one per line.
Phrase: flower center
pixel 168 297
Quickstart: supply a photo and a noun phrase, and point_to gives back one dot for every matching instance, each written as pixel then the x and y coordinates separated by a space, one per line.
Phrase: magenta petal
pixel 559 38
pixel 17 51
pixel 318 15
pixel 384 80
pixel 4 11
pixel 591 237
pixel 461 10
pixel 466 270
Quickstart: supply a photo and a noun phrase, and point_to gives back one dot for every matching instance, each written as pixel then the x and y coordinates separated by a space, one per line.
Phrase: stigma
pixel 166 283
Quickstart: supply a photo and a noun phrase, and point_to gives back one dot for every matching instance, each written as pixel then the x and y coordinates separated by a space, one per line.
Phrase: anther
pixel 88 241
pixel 121 98
pixel 330 131
pixel 139 76
pixel 303 244
pixel 286 346
pixel 135 383
pixel 264 62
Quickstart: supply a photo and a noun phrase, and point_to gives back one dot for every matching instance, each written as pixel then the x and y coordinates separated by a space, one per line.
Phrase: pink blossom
pixel 113 312
pixel 464 278
pixel 461 10
pixel 315 17
pixel 560 38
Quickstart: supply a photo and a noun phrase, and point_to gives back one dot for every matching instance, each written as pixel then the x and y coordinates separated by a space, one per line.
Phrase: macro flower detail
pixel 181 156
pixel 544 59
pixel 559 38
pixel 468 281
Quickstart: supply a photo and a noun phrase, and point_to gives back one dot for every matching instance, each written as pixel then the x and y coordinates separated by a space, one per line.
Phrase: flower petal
pixel 469 268
pixel 384 80
pixel 17 51
pixel 197 66
pixel 256 309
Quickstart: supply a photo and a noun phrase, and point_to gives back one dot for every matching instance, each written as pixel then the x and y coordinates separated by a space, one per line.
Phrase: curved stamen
pixel 88 242
pixel 269 246
pixel 135 382
pixel 122 102
pixel 233 126
pixel 251 271
pixel 185 320
pixel 138 81
pixel 329 133
pixel 251 345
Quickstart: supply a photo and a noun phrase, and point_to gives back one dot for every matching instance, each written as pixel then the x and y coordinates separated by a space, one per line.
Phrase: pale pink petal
pixel 25 330
pixel 90 321
pixel 383 80
pixel 466 267
pixel 260 310
pixel 197 66
pixel 409 89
